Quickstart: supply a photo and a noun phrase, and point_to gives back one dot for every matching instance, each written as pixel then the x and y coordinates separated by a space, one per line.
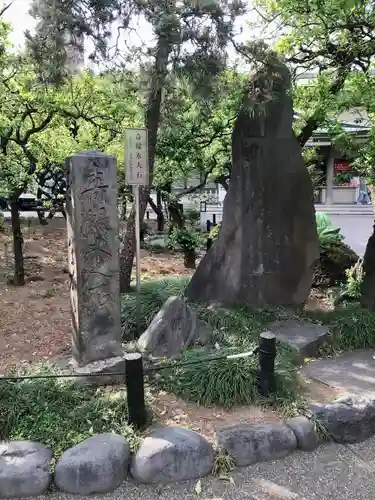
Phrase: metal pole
pixel 135 390
pixel 267 356
pixel 138 258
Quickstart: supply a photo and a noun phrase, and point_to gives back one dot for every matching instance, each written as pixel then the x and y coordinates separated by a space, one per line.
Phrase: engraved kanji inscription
pixel 93 247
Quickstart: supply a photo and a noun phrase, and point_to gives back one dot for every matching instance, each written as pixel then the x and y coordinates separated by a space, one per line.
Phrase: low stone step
pixel 352 372
pixel 303 336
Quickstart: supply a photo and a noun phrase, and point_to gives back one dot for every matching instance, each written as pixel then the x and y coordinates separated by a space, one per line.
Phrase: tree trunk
pixel 152 120
pixel 160 215
pixel 189 259
pixel 176 216
pixel 158 209
pixel 19 270
pixel 42 218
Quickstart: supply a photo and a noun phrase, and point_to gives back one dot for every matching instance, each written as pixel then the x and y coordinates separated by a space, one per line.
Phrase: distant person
pixel 363 195
pixel 208 225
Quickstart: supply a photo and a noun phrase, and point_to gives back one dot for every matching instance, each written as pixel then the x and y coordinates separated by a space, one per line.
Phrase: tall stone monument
pixel 93 246
pixel 267 245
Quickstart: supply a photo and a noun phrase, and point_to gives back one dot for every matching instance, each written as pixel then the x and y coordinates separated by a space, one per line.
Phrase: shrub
pixel 214 233
pixel 187 239
pixel 192 216
pixel 335 256
pixel 144 230
pixel 239 327
pixel 327 233
pixel 351 327
pixel 354 278
pixel 59 413
pixel 152 297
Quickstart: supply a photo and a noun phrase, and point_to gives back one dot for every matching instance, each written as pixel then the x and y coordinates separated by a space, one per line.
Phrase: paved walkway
pixel 356 228
pixel 352 371
pixel 334 472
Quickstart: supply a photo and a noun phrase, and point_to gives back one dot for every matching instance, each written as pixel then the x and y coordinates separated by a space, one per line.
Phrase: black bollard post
pixel 267 355
pixel 208 244
pixel 135 390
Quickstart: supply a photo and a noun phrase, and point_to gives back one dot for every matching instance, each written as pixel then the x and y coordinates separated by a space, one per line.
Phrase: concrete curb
pixel 175 454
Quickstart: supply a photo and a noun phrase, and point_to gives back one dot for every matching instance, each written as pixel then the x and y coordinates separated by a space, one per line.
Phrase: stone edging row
pixel 102 462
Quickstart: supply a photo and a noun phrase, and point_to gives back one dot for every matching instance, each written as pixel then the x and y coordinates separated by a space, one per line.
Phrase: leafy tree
pixel 41 125
pixel 190 39
pixel 332 39
pixel 195 139
pixel 25 112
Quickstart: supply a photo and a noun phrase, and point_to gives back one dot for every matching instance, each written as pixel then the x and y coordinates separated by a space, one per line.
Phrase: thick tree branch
pixel 5 8
pixel 38 128
pixel 154 206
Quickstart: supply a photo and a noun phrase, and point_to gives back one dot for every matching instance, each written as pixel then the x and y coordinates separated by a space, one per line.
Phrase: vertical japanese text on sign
pixel 136 157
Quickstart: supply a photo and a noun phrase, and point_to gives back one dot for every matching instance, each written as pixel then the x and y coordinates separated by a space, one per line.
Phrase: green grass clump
pixel 59 413
pixel 223 382
pixel 350 326
pixel 239 327
pixel 228 382
pixel 152 297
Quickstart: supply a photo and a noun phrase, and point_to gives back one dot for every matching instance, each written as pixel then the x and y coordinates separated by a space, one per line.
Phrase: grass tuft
pixel 229 382
pixel 59 413
pixel 351 327
pixel 224 464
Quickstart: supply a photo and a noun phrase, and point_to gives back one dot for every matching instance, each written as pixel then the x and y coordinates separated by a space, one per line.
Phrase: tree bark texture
pixel 19 270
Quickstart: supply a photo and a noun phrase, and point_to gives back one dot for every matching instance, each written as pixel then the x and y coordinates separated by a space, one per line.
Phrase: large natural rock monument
pixel 93 260
pixel 368 267
pixel 267 244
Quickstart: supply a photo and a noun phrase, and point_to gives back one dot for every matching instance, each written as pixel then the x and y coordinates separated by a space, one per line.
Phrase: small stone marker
pixel 175 328
pixel 93 246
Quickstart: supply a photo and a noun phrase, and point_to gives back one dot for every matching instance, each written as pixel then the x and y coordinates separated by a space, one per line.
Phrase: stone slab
pixel 303 336
pixel 93 256
pixel 352 372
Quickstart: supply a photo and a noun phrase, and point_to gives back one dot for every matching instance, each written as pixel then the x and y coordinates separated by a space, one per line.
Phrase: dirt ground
pixel 36 324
